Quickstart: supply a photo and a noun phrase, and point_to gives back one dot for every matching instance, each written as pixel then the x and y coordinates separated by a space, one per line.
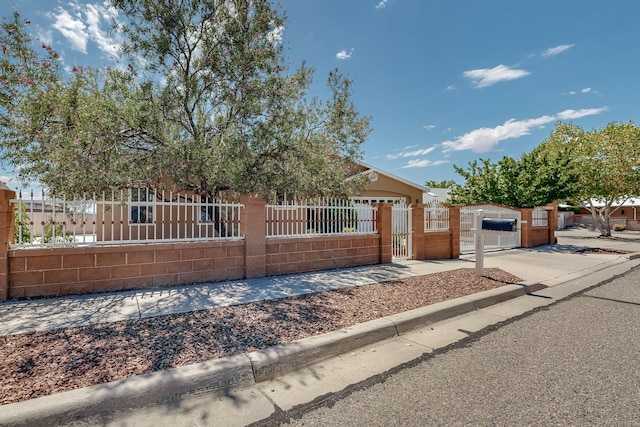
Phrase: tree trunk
pixel 606 220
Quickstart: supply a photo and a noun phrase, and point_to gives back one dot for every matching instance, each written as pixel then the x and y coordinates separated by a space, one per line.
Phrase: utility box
pixel 498 224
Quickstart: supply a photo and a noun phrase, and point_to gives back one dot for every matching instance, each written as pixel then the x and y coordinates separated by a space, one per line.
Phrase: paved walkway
pixel 547 265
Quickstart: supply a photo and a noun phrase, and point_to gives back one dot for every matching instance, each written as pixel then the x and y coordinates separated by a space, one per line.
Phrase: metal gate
pixel 401 231
pixel 492 242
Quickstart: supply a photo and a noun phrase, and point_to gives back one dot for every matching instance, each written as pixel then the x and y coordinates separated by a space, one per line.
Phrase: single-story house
pixel 621 213
pixel 386 187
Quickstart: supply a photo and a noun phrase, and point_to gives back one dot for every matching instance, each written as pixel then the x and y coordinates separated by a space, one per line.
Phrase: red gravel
pixel 43 363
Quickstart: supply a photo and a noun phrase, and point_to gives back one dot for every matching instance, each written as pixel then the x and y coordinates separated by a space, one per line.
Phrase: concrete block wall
pixel 6 236
pixel 65 271
pixel 39 272
pixel 537 236
pixel 435 244
pixel 61 271
pixel 295 255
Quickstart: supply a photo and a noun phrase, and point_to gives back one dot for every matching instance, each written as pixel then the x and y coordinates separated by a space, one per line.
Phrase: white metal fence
pixel 326 216
pixel 131 215
pixel 436 217
pixel 492 242
pixel 540 217
pixel 401 238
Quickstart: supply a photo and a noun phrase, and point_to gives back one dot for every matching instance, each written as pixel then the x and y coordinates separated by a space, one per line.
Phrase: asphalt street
pixel 573 363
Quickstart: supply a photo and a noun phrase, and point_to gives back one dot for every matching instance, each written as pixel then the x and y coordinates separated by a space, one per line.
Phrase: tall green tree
pixel 205 103
pixel 606 164
pixel 445 183
pixel 535 179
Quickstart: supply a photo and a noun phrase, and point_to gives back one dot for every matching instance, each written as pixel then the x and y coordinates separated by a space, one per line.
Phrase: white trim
pixel 390 175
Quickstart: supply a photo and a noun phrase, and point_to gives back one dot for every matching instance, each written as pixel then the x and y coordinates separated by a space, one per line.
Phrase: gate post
pixel 384 232
pixel 417 231
pixel 6 237
pixel 526 230
pixel 454 228
pixel 253 222
pixel 552 222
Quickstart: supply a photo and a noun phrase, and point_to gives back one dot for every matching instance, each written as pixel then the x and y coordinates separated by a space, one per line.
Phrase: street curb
pixel 284 358
pixel 219 376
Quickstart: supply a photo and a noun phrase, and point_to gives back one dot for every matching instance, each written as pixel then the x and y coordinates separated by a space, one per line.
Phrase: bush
pixel 619 227
pixel 21 234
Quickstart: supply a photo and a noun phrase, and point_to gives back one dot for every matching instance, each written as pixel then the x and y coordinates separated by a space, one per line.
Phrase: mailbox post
pixel 479 243
pixel 486 226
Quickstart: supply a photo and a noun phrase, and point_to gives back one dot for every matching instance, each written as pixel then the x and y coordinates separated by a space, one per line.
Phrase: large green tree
pixel 606 164
pixel 600 168
pixel 205 103
pixel 535 179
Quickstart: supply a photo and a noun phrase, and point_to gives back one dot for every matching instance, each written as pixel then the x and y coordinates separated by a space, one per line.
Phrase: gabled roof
pixel 440 194
pixel 632 201
pixel 369 169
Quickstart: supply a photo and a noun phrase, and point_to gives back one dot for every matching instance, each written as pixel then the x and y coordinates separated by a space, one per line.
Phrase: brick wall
pixel 6 236
pixel 537 236
pixel 38 272
pixel 64 271
pixel 295 255
pixel 435 244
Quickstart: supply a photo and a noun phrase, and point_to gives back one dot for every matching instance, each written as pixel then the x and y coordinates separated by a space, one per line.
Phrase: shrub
pixel 21 234
pixel 619 227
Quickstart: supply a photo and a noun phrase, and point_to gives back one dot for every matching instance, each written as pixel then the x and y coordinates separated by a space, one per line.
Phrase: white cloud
pixel 576 114
pixel 44 36
pixel 414 153
pixel 484 139
pixel 450 87
pixel 72 29
pixel 552 51
pixel 95 14
pixel 275 35
pixel 429 127
pixel 585 91
pixel 484 77
pixel 423 163
pixel 382 4
pixel 343 54
pixel 86 24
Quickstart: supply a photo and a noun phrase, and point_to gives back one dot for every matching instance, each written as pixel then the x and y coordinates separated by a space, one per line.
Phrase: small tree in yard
pixel 204 103
pixel 606 162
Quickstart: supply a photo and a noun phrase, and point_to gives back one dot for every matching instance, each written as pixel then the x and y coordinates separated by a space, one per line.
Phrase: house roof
pixel 369 169
pixel 440 194
pixel 632 201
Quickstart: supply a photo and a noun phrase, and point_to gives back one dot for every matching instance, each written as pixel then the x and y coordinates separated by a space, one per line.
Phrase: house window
pixel 622 212
pixel 141 205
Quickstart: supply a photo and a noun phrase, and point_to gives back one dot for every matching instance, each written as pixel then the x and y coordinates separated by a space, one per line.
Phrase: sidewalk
pixel 547 266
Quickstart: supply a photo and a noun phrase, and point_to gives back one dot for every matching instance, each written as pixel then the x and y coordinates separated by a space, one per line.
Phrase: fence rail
pixel 540 217
pixel 436 217
pixel 325 216
pixel 135 215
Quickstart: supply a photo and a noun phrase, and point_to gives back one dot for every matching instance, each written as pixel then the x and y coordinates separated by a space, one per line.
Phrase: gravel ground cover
pixel 43 363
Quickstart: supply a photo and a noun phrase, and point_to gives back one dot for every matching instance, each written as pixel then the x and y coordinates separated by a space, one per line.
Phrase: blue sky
pixel 446 81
